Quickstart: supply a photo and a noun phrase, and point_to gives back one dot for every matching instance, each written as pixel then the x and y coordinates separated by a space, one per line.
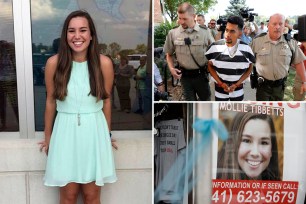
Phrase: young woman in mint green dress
pixel 79 82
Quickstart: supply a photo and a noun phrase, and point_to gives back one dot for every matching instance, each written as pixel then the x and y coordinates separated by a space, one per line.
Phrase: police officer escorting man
pixel 273 58
pixel 189 43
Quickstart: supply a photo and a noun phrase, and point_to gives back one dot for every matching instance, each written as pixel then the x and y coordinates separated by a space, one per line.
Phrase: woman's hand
pixel 44 146
pixel 114 144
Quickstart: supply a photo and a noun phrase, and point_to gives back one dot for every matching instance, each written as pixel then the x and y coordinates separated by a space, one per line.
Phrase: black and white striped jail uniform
pixel 229 68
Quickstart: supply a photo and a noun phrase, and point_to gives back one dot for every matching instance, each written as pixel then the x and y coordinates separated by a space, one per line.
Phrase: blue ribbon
pixel 205 128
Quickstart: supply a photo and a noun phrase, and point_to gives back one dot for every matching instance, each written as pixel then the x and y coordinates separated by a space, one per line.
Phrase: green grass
pixel 290 83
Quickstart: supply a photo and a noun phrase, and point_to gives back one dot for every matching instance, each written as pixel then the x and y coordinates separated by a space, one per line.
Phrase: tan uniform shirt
pixel 273 59
pixel 200 40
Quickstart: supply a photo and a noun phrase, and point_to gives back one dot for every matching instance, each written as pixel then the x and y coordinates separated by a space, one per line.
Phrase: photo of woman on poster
pixel 251 151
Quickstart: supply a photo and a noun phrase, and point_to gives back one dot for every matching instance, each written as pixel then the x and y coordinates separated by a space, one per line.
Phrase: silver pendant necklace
pixel 80 101
pixel 79 119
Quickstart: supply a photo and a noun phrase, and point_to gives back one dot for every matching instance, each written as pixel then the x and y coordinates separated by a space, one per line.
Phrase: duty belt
pixel 274 83
pixel 192 72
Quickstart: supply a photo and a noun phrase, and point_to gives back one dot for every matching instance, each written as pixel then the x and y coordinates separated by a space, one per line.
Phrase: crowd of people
pixel 124 74
pixel 195 51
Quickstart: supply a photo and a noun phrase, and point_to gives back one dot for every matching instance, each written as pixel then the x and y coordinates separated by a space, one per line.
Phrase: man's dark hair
pixel 236 20
pixel 200 15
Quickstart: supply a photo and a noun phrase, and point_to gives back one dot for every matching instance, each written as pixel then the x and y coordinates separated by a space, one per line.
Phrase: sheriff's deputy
pixel 189 43
pixel 274 54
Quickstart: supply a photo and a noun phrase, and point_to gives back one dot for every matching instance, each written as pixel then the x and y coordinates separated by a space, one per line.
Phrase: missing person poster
pixel 263 158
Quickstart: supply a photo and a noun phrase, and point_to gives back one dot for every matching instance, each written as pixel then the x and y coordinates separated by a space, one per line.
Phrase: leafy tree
pixel 141 48
pixel 234 8
pixel 103 48
pixel 126 52
pixel 160 33
pixel 293 19
pixel 200 6
pixel 114 48
pixel 41 48
pixel 34 48
pixel 261 18
pixel 55 45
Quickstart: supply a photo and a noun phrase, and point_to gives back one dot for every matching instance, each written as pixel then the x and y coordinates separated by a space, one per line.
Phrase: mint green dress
pixel 80 148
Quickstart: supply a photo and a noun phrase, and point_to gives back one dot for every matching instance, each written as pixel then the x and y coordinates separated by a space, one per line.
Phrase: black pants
pixel 266 92
pixel 196 86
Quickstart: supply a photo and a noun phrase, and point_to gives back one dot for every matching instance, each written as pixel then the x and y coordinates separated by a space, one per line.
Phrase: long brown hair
pixel 64 64
pixel 228 167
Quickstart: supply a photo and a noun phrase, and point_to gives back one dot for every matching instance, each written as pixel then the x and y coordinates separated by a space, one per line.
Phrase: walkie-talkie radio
pixel 187 41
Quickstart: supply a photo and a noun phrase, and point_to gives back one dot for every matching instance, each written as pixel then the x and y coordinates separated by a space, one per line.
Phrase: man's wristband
pixel 304 82
pixel 110 134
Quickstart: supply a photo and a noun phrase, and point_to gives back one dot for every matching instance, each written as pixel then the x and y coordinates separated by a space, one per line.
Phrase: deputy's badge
pixel 286 46
pixel 263 48
pixel 196 37
pixel 180 39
